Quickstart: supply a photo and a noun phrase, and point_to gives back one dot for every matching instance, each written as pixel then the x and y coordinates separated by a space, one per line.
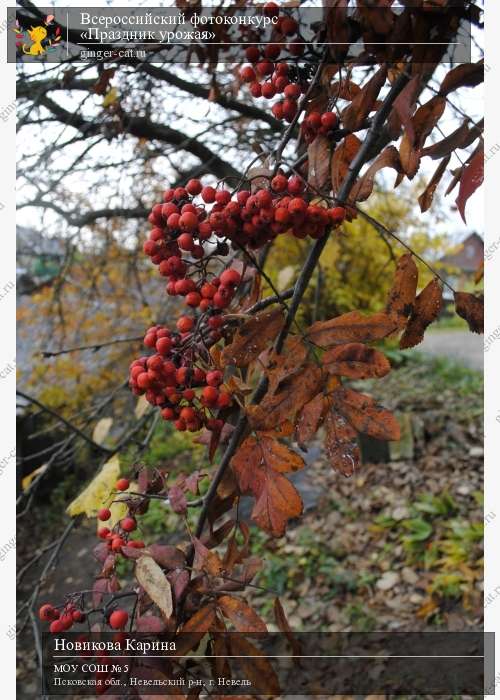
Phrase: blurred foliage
pixel 357 265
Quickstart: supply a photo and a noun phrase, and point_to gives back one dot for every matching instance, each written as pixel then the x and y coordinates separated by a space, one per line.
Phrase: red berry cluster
pixel 318 123
pixel 61 620
pixel 171 380
pixel 175 244
pixel 269 79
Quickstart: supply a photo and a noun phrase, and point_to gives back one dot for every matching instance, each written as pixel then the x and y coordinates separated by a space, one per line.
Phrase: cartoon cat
pixel 37 35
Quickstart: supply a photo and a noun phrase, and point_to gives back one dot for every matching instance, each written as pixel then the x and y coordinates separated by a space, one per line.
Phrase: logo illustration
pixel 38 40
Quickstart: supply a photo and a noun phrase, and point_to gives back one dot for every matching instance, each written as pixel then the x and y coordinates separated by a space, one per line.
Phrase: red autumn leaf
pixel 472 178
pixel 389 158
pixel 341 445
pixel 464 75
pixel 402 294
pixel 471 308
pixel 177 499
pixel 257 470
pixel 309 420
pixel 167 556
pixel 253 337
pixel 364 414
pixel 276 408
pixel 100 587
pixel 352 327
pixel 341 160
pixel 356 361
pixel 149 623
pixel 409 157
pixel 318 155
pixel 354 115
pixel 425 199
pixel 403 108
pixel 243 617
pixel 428 304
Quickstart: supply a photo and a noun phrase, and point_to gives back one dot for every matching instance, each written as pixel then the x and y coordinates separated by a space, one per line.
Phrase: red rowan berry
pixel 193 299
pixel 118 619
pixel 210 395
pixel 194 187
pixel 104 514
pixel 128 524
pixel 214 377
pixel 247 74
pixel 329 120
pixel 230 277
pixel 208 194
pixel 122 484
pixel 185 324
pixel 163 345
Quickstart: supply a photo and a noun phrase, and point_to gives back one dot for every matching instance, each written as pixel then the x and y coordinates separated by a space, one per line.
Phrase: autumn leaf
pixel 409 157
pixel 402 294
pixel 257 471
pixel 340 444
pixel 389 158
pixel 471 308
pixel 364 414
pixel 101 430
pixel 341 160
pixel 472 178
pixel 354 115
pixel 425 119
pixel 194 629
pixel 351 327
pixel 403 108
pixel 318 155
pixel 457 139
pixel 464 75
pixel 479 274
pixel 243 617
pixel 309 420
pixel 427 307
pixel 253 337
pixel 153 580
pixel 425 199
pixel 281 366
pixel 255 666
pixel 177 500
pixel 284 627
pixel 275 409
pixel 356 361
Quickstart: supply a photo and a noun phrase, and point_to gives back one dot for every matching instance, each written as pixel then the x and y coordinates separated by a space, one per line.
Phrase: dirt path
pixel 462 346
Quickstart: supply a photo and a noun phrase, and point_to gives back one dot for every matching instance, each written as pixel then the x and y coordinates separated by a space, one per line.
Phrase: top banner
pixel 349 33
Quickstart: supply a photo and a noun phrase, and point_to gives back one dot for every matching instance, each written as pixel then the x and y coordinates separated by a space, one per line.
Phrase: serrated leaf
pixel 253 337
pixel 356 361
pixel 341 445
pixel 402 294
pixel 364 414
pixel 351 327
pixel 427 307
pixel 153 580
pixel 471 308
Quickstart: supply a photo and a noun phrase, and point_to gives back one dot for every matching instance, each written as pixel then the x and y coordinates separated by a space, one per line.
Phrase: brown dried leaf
pixel 243 617
pixel 425 119
pixel 257 472
pixel 402 294
pixel 318 156
pixel 285 628
pixel 288 362
pixel 409 157
pixel 352 327
pixel 309 420
pixel 464 75
pixel 471 308
pixel 457 139
pixel 255 666
pixel 428 304
pixel 341 160
pixel 389 158
pixel 341 445
pixel 253 337
pixel 472 177
pixel 355 114
pixel 356 361
pixel 153 580
pixel 425 199
pixel 276 408
pixel 364 414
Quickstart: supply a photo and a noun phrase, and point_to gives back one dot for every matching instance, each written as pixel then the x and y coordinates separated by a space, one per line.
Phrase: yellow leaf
pixel 111 97
pixel 98 493
pixel 141 407
pixel 29 478
pixel 101 430
pixel 155 583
